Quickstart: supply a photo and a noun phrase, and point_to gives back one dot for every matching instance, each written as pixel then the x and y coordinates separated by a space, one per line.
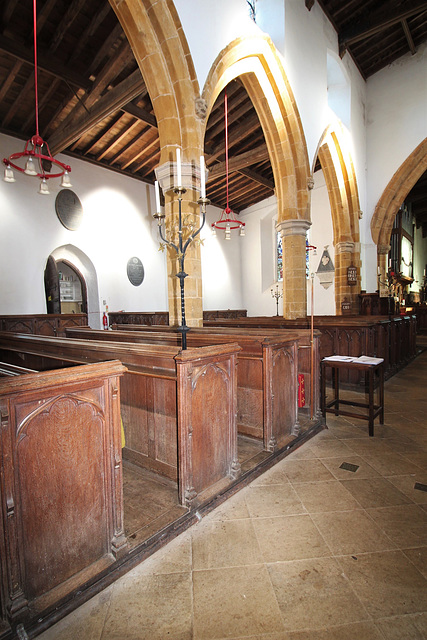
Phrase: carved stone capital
pixel 383 249
pixel 201 107
pixel 310 183
pixel 344 247
pixel 293 227
pixel 360 214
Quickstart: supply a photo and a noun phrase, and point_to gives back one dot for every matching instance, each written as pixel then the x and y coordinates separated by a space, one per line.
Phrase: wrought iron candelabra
pixel 180 247
pixel 389 284
pixel 277 294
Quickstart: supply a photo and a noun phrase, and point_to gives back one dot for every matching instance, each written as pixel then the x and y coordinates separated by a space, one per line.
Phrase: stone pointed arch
pixel 161 50
pixel 337 165
pixel 395 193
pixel 256 62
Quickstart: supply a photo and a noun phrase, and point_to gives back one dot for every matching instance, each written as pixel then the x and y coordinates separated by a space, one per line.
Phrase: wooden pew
pixel 7 370
pixel 44 324
pixel 162 317
pixel 269 363
pixel 61 520
pixel 349 335
pixel 178 408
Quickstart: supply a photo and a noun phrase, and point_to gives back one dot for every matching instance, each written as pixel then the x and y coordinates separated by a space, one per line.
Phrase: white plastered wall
pixel 117 224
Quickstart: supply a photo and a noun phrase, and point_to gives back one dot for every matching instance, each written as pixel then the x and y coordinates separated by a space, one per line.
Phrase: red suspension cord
pixel 35 67
pixel 226 143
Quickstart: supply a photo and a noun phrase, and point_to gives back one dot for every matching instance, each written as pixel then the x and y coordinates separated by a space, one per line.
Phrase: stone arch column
pixel 293 234
pixel 159 45
pixel 256 62
pixel 341 184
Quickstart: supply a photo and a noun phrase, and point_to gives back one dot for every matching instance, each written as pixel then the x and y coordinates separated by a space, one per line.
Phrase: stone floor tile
pixel 233 508
pixel 289 538
pixel 234 602
pixel 274 500
pixel 363 446
pixel 329 448
pixel 386 582
pixel 407 485
pixel 405 524
pixel 302 453
pixel 307 471
pixel 175 557
pixel 325 496
pixel 356 631
pixel 419 558
pixel 403 628
pixel 224 544
pixel 418 457
pixel 85 622
pixel 364 470
pixel 276 475
pixel 351 532
pixel 375 492
pixel 150 606
pixel 347 431
pixel 391 464
pixel 314 594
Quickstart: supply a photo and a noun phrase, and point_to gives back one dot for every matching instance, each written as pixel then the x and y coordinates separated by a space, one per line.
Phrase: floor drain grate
pixel 347 466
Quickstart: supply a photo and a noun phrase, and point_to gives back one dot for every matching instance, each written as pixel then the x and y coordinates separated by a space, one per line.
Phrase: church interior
pixel 213 230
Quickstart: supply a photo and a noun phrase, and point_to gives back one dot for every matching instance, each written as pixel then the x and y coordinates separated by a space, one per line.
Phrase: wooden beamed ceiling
pixel 94 105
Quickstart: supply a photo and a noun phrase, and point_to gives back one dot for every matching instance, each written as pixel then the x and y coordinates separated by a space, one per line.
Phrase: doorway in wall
pixel 65 287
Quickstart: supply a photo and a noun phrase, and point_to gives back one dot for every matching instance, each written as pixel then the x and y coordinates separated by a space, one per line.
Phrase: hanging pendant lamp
pixel 227 221
pixel 36 152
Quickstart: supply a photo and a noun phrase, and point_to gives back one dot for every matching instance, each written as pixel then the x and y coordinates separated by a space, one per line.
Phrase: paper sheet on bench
pixel 360 359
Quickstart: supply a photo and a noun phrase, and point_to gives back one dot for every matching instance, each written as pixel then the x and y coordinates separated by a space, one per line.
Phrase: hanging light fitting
pixel 227 221
pixel 36 150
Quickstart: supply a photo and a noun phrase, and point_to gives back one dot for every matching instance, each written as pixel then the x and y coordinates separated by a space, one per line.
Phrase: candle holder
pixel 180 247
pixel 389 284
pixel 277 294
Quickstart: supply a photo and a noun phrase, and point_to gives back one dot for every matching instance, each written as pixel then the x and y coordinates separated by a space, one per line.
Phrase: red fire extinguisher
pixel 105 321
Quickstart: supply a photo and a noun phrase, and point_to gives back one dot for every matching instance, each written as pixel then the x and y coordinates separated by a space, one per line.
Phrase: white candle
pixel 178 167
pixel 379 271
pixel 389 263
pixel 202 177
pixel 157 192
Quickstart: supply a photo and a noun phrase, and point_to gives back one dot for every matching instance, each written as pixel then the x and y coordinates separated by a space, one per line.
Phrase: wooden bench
pixel 44 324
pixel 393 339
pixel 7 370
pixel 178 409
pixel 267 393
pixel 61 520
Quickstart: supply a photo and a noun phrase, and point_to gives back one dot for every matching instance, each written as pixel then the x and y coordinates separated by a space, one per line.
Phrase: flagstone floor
pixel 308 551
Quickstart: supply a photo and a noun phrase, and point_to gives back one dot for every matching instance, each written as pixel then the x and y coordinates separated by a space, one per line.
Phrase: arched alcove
pixel 81 263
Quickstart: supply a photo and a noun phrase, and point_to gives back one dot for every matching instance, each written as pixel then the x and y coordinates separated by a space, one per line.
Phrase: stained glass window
pixel 279 258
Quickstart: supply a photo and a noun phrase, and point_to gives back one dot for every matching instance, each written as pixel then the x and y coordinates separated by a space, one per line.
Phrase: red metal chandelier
pixel 36 153
pixel 227 221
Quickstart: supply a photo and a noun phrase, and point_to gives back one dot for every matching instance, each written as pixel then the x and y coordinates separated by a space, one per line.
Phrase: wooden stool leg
pixel 337 390
pixel 371 401
pixel 381 392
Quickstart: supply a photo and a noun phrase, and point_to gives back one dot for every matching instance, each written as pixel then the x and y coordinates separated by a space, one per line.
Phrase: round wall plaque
pixel 135 271
pixel 69 209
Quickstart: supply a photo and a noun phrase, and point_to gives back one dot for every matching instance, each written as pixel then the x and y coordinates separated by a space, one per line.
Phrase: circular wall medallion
pixel 135 271
pixel 69 209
